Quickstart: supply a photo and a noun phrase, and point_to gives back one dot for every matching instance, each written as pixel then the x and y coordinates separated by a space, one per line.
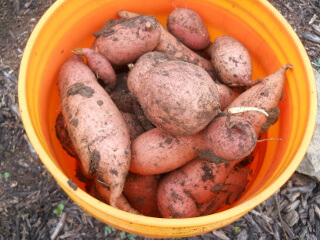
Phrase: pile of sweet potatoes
pixel 161 119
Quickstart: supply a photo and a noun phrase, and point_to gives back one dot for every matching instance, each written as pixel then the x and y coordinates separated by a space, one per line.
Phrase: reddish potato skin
pixel 178 97
pixel 141 192
pixel 95 125
pixel 170 45
pixel 227 95
pixel 187 26
pixel 102 192
pixel 181 191
pixel 99 65
pixel 265 95
pixel 157 151
pixel 126 41
pixel 232 61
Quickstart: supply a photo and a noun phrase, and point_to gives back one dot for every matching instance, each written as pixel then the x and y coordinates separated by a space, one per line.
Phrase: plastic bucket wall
pixel 69 24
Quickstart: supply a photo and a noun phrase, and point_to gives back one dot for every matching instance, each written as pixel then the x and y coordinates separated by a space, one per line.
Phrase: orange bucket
pixel 69 24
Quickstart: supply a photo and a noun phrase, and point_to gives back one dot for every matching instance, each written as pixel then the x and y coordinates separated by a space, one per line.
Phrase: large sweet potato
pixel 95 125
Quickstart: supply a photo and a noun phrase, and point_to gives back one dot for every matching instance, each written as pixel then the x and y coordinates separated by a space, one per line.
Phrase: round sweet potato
pixel 232 61
pixel 187 25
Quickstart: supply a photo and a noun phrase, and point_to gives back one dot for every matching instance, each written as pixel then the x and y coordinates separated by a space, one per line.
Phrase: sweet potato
pixel 179 97
pixel 187 26
pixel 226 139
pixel 95 125
pixel 126 41
pixel 144 64
pixel 141 192
pixel 121 95
pixel 234 185
pixel 181 191
pixel 232 61
pixel 173 47
pixel 99 65
pixel 157 151
pixel 102 192
pixel 63 136
pixel 134 126
pixel 265 95
pixel 227 95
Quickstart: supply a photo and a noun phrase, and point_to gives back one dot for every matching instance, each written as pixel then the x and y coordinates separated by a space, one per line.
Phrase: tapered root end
pixel 78 51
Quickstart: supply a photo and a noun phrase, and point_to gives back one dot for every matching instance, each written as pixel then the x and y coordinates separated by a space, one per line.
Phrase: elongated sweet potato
pixel 226 139
pixel 95 125
pixel 232 61
pixel 187 26
pixel 179 97
pixel 170 45
pixel 265 95
pixel 124 42
pixel 157 151
pixel 99 65
pixel 181 191
pixel 141 192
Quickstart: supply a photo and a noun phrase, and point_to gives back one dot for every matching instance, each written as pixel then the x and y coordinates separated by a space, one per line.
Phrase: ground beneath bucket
pixel 33 206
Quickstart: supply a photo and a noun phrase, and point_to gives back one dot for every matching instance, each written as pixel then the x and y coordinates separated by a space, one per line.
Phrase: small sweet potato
pixel 141 192
pixel 232 61
pixel 99 65
pixel 187 26
pixel 181 191
pixel 178 97
pixel 124 42
pixel 63 136
pixel 95 125
pixel 265 95
pixel 121 95
pixel 170 45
